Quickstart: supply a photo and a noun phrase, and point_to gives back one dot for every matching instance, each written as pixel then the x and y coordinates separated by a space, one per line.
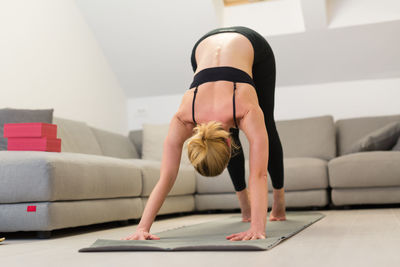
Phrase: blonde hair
pixel 208 150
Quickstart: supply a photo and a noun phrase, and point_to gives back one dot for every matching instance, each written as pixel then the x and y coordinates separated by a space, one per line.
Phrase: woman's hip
pixel 260 45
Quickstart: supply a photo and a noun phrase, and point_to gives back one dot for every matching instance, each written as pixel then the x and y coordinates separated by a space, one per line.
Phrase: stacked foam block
pixel 36 136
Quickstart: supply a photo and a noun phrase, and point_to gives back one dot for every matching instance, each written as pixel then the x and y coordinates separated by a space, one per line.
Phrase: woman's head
pixel 209 149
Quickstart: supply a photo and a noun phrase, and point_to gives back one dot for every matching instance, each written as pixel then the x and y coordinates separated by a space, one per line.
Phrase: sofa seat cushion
pixel 305 173
pixel 185 180
pixel 301 173
pixel 27 176
pixel 365 169
pixel 229 201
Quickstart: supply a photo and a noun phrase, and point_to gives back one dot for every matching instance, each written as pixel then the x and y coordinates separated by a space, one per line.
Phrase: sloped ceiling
pixel 148 43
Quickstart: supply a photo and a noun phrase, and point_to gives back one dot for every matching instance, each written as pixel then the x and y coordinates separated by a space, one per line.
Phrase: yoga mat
pixel 211 236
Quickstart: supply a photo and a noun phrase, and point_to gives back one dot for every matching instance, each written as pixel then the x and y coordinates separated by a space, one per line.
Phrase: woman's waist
pixel 221 73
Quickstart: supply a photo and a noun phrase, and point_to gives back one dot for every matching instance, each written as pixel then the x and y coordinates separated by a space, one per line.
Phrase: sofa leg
pixel 43 234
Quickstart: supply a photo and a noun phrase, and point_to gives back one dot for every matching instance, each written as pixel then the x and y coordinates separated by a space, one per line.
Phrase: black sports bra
pixel 224 73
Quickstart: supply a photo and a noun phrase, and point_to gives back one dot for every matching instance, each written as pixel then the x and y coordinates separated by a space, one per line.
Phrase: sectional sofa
pixel 102 176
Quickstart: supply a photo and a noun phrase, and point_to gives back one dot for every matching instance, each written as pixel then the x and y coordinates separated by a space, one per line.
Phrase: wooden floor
pixel 355 237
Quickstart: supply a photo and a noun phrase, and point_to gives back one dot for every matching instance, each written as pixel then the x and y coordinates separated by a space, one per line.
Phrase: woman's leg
pixel 264 78
pixel 264 73
pixel 237 175
pixel 236 164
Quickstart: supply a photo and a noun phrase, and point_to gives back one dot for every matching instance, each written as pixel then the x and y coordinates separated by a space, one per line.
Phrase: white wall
pixel 340 99
pixel 49 58
pixel 268 18
pixel 354 12
pixel 149 43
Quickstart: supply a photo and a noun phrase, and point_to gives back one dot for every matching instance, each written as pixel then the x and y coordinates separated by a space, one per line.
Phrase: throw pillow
pixel 10 115
pixel 381 139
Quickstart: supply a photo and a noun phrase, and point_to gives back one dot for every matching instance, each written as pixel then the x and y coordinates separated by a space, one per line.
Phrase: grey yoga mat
pixel 211 236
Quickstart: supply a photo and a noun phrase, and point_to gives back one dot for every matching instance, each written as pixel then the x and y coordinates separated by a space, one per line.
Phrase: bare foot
pixel 278 212
pixel 244 201
pixel 246 215
pixel 277 216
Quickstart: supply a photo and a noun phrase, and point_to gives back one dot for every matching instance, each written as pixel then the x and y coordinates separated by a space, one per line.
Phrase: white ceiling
pixel 148 43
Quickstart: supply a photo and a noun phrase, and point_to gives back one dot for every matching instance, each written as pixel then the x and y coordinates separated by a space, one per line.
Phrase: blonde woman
pixel 233 88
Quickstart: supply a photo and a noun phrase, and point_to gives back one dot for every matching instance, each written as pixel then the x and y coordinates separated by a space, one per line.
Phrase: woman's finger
pixel 154 237
pixel 231 236
pixel 247 237
pixel 254 237
pixel 238 237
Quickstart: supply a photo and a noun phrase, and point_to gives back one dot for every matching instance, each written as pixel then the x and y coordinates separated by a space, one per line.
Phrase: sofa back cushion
pixel 153 142
pixel 76 137
pixel 115 145
pixel 307 137
pixel 349 131
pixel 11 115
pixel 136 137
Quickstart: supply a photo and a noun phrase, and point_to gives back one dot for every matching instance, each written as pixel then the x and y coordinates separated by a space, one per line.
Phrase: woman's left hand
pixel 247 235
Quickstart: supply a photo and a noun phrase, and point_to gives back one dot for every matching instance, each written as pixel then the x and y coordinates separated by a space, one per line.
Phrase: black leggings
pixel 264 78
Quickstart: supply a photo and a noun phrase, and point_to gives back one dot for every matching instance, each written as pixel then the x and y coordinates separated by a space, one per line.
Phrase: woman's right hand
pixel 141 235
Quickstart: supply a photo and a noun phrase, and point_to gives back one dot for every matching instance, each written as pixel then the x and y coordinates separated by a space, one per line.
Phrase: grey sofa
pixel 367 177
pixel 101 176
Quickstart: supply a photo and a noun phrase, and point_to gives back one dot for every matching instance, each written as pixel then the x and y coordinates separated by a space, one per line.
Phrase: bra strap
pixel 234 108
pixel 194 98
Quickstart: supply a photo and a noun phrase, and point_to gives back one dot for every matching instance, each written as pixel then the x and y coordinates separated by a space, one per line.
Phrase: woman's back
pixel 214 99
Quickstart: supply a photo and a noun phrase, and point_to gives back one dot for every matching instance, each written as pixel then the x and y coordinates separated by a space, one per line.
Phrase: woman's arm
pixel 253 126
pixel 178 132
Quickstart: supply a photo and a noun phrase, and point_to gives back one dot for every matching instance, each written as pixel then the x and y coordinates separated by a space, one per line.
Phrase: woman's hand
pixel 141 235
pixel 247 235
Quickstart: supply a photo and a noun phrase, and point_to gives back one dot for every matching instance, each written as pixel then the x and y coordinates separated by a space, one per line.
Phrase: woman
pixel 233 88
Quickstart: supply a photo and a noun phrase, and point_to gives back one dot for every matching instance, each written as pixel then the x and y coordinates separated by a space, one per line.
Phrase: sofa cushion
pixel 383 138
pixel 229 201
pixel 363 196
pixel 309 137
pixel 135 136
pixel 299 174
pixel 76 137
pixel 153 142
pixel 27 176
pixel 350 130
pixel 115 145
pixel 366 169
pixel 10 115
pixel 397 145
pixel 184 183
pixel 63 214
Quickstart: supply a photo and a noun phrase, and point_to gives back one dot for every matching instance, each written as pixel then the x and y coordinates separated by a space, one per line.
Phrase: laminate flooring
pixel 353 237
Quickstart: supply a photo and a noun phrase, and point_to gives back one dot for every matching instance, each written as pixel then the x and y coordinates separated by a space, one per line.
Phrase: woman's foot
pixel 278 212
pixel 246 215
pixel 244 202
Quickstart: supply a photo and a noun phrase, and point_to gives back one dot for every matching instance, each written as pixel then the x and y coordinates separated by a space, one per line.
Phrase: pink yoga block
pixel 30 129
pixel 34 143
